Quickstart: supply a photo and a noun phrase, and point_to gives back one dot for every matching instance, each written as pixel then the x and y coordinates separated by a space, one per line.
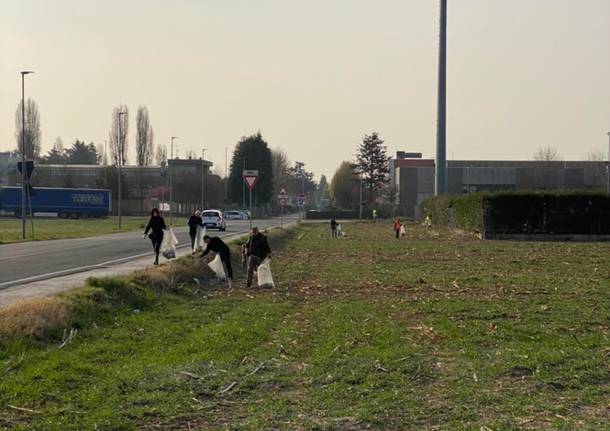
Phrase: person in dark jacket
pixel 219 247
pixel 257 249
pixel 155 225
pixel 333 228
pixel 194 222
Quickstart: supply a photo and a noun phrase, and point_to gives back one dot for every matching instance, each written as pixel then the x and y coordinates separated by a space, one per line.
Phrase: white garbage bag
pixel 168 245
pixel 403 231
pixel 199 244
pixel 217 266
pixel 264 274
pixel 340 232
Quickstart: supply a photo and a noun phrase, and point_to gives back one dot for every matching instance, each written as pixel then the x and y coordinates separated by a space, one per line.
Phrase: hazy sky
pixel 314 76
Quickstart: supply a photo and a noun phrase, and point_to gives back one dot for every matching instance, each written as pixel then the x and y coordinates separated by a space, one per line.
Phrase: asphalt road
pixel 28 261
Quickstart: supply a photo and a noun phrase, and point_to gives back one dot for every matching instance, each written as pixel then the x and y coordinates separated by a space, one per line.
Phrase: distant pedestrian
pixel 219 247
pixel 333 228
pixel 397 227
pixel 195 222
pixel 155 225
pixel 375 215
pixel 257 249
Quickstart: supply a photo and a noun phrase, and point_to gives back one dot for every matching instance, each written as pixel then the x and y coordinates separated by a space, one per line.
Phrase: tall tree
pixel 32 130
pixel 161 155
pixel 144 138
pixel 547 154
pixel 323 188
pixel 56 155
pixel 82 154
pixel 279 166
pixel 549 174
pixel 372 162
pixel 344 186
pixel 252 152
pixel 118 144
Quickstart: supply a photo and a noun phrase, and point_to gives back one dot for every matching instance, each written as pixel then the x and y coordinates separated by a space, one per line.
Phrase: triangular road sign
pixel 250 178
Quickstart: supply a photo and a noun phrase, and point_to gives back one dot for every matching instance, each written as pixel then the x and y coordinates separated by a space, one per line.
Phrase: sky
pixel 314 76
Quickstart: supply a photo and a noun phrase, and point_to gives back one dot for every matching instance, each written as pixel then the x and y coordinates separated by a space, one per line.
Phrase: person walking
pixel 374 216
pixel 194 222
pixel 155 225
pixel 397 227
pixel 333 228
pixel 219 247
pixel 257 249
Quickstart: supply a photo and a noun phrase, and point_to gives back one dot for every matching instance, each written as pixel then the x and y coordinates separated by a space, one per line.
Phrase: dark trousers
pixel 397 232
pixel 193 235
pixel 253 263
pixel 226 260
pixel 156 238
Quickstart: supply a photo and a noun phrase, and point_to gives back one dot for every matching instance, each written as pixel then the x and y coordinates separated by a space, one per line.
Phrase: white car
pixel 235 215
pixel 214 219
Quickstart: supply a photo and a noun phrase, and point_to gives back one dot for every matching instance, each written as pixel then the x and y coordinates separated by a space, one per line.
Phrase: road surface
pixel 25 262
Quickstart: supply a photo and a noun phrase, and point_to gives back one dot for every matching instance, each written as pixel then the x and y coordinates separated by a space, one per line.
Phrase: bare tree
pixel 190 154
pixel 118 145
pixel 161 155
pixel 547 154
pixel 599 175
pixel 32 130
pixel 102 154
pixel 280 166
pixel 144 138
pixel 596 156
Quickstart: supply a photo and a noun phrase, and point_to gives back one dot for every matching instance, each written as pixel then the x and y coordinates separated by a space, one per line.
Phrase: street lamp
pixel 120 163
pixel 300 168
pixel 171 178
pixel 23 168
pixel 203 179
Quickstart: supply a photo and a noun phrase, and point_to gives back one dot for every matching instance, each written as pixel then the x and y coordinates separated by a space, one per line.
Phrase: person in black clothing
pixel 257 249
pixel 333 228
pixel 219 247
pixel 194 222
pixel 156 224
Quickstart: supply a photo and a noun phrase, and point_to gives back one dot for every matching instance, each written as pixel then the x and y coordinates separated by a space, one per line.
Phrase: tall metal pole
pixel 171 179
pixel 360 202
pixel 24 176
pixel 202 179
pixel 120 163
pixel 226 177
pixel 440 183
pixel 243 190
pixel 251 215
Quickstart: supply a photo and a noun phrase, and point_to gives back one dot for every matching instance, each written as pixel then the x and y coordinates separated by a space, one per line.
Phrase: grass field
pixel 433 331
pixel 49 228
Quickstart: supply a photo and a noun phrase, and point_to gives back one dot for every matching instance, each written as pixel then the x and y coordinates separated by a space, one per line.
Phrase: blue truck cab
pixel 64 202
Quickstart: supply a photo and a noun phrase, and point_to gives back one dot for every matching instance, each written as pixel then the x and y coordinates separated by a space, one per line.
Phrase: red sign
pixel 250 178
pixel 283 202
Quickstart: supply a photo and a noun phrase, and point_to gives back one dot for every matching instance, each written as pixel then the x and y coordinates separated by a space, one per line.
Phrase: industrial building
pixel 412 177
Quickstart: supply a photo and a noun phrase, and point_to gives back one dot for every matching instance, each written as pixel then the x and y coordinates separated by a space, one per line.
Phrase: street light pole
pixel 23 152
pixel 120 163
pixel 171 178
pixel 203 179
pixel 226 178
pixel 360 201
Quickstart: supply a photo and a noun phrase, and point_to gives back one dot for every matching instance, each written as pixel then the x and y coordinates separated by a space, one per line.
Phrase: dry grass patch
pixel 32 317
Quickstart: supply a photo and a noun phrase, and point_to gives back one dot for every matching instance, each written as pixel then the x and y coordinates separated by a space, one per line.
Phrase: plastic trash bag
pixel 217 266
pixel 340 232
pixel 264 274
pixel 168 245
pixel 199 244
pixel 403 231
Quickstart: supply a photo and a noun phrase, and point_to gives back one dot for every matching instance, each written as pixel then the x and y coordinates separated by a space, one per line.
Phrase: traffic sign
pixel 301 201
pixel 250 178
pixel 283 192
pixel 29 165
pixel 283 202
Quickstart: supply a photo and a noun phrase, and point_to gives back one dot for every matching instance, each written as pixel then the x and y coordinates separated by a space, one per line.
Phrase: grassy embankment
pixel 433 331
pixel 49 228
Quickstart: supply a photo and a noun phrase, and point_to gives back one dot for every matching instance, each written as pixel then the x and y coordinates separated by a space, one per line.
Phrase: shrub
pixel 32 317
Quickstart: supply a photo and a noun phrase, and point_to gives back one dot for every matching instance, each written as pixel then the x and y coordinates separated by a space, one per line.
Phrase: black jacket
pixel 193 222
pixel 258 246
pixel 156 224
pixel 333 224
pixel 218 246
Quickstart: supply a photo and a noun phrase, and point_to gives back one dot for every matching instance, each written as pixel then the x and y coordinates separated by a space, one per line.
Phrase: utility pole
pixel 243 189
pixel 202 179
pixel 440 183
pixel 24 176
pixel 360 202
pixel 120 163
pixel 171 178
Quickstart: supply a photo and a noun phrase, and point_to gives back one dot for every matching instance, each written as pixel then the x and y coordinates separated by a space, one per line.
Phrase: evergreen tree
pixel 372 162
pixel 252 153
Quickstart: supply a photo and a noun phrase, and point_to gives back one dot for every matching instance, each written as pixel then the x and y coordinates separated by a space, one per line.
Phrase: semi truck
pixel 60 202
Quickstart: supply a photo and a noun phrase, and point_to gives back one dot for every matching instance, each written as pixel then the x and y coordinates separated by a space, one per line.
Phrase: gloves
pixel 144 236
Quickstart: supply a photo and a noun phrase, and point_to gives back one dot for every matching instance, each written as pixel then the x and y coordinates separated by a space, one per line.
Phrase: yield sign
pixel 283 192
pixel 250 178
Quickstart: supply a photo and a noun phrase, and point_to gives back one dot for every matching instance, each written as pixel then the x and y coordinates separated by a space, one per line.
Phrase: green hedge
pixel 559 212
pixel 468 210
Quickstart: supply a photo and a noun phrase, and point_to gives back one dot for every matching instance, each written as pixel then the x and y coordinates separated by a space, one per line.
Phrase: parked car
pixel 235 215
pixel 214 219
